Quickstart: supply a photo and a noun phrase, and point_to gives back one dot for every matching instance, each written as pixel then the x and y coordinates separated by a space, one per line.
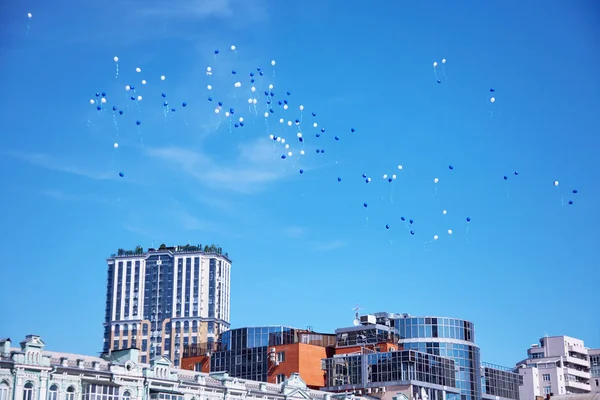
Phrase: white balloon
pixel 436 180
pixel 116 145
pixel 435 237
pixel 449 231
pixel 289 123
pixel 162 77
pixel 127 87
pixel 368 179
pixel 289 153
pixel 232 48
pixel 287 146
pixel 209 87
pixel 92 101
pixel 143 81
pixel 384 176
pixel 282 141
pixel 279 139
pixel 271 87
pixel 271 137
pixel 555 183
pixel 302 152
pixel 281 120
pixel 241 119
pixel 299 134
pixel 254 101
pixel 249 101
pixel 29 15
pixel 493 100
pixel 273 63
pixel 400 167
pixel 266 114
pixel 301 108
pixel 116 59
pixel 217 111
pixel 443 61
pixel 285 107
pixel 138 70
pixel 434 64
pixel 444 212
pixel 314 125
pixel 238 84
pixel 208 69
pixel 227 113
pixel 253 89
pixel 139 98
pixel 103 100
pixel 394 176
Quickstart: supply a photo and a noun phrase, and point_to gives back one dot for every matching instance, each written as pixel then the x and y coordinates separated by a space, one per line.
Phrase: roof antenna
pixel 356 321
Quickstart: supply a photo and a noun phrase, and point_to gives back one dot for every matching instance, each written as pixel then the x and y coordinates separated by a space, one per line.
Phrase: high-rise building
pixel 594 369
pixel 559 365
pixel 166 298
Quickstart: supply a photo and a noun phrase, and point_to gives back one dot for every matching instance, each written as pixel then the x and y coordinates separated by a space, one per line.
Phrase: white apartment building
pixel 595 369
pixel 559 365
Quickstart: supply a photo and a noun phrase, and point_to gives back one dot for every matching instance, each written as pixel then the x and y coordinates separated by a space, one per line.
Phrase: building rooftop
pixel 181 249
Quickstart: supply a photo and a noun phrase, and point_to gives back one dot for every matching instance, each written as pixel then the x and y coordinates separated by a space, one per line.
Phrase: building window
pixel 28 391
pixel 547 389
pixel 280 378
pixel 53 393
pixel 546 377
pixel 93 392
pixel 70 393
pixel 238 360
pixel 126 395
pixel 281 356
pixel 596 382
pixel 4 390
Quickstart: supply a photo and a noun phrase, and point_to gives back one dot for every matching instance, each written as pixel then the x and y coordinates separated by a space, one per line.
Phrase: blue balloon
pixel 492 90
pixel 132 87
pixel 98 108
pixel 137 122
pixel 132 97
pixel 450 166
pixel 314 114
pixel 231 110
pixel 97 94
pixel 210 99
pixel 274 137
pixel 251 73
pixel 322 150
pixel 268 101
pixel 323 130
pixel 387 227
pixel 241 124
pixel 318 135
pixel 121 174
pixel 114 108
pixel 301 171
pixel 164 95
pixel 575 191
pixel 233 72
pixel 285 102
pixel 261 73
pixel 339 179
pixel 570 201
pixel 300 139
pixel 236 125
pixel 318 151
pixel 390 180
pixel 280 102
pixel 297 121
pixel 252 80
pixel 403 219
pixel 337 138
pixel 220 104
pixel 352 130
pixel 103 94
pixel 165 104
pixel 412 233
pixel 505 177
pixel 272 94
pixel 516 172
pixel 283 156
pixel 367 180
pixel 288 93
pixel 173 109
pixel 120 112
pixel 258 69
pixel 184 104
pixel 468 219
pixel 365 204
pixel 438 81
pixel 216 51
pixel 410 221
pixel 364 175
pixel 271 111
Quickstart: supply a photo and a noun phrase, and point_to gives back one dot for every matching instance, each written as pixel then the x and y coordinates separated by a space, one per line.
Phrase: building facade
pixel 267 354
pixel 164 299
pixel 31 373
pixel 594 370
pixel 559 365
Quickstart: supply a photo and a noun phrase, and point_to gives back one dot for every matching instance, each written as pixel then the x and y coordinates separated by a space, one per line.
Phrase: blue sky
pixel 304 248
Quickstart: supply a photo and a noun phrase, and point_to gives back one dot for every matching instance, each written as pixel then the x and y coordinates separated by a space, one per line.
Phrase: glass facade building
pixel 500 381
pixel 447 337
pixel 165 299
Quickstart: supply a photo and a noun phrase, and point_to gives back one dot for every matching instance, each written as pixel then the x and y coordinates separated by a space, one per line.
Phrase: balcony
pixel 578 373
pixel 577 361
pixel 578 385
pixel 580 350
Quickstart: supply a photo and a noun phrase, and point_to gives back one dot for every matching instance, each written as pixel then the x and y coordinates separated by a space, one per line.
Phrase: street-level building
pixel 32 373
pixel 163 299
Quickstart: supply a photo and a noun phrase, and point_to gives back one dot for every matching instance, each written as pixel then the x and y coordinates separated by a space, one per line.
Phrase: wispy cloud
pixel 61 195
pixel 254 167
pixel 294 232
pixel 331 245
pixel 56 164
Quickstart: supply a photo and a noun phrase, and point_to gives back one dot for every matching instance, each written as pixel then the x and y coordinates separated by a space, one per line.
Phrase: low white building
pixel 559 365
pixel 31 373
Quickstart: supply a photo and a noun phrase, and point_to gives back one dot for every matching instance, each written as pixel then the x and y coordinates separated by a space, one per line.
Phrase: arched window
pixel 125 330
pixel 70 393
pixel 186 327
pixel 117 330
pixel 126 395
pixel 28 391
pixel 53 393
pixel 177 327
pixel 4 389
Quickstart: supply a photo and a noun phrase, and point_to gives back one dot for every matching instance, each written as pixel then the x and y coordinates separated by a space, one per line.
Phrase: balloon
pixel 450 167
pixel 337 138
pixel 449 231
pixel 436 180
pixel 121 174
pixel 412 233
pixel 301 171
pixel 439 81
pixel 288 93
pixel 139 98
pixel 138 122
pixel 339 179
pixel 434 64
pixel 385 176
pixel 468 219
pixel 273 63
pixel 394 176
pixel 92 101
pixel 444 212
pixel 162 77
pixel 232 48
pixel 116 145
pixel 410 221
pixel 352 130
pixel 116 59
pixel 555 183
pixel 403 219
pixel 29 15
pixel 143 81
pixel 114 108
pixel 216 52
pixel 387 227
pixel 301 107
pixel 435 237
pixel 492 100
pixel 237 84
pixel 443 61
pixel 127 87
pixel 138 69
pixel 505 177
pixel 570 202
pixel 400 167
pixel 575 191
pixel 516 173
pixel 184 104
pixel 365 205
pixel 492 90
pixel 120 112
